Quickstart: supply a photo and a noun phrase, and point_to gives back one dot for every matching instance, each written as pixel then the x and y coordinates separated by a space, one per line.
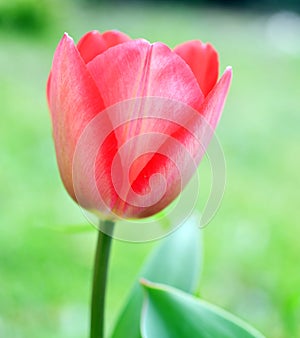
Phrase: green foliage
pixel 27 16
pixel 170 313
pixel 175 262
pixel 169 310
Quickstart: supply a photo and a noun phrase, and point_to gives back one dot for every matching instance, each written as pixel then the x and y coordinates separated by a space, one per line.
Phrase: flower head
pixel 124 115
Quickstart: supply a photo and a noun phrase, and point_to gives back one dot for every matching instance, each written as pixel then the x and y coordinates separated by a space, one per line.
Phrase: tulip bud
pixel 131 120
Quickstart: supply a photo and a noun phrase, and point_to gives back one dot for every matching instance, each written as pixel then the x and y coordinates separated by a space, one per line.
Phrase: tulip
pixel 98 75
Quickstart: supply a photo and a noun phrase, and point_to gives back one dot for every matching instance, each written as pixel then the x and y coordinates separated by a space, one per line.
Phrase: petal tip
pixel 66 37
pixel 228 69
pixel 227 74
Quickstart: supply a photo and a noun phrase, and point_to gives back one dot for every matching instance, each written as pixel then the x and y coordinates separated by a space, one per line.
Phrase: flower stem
pixel 99 281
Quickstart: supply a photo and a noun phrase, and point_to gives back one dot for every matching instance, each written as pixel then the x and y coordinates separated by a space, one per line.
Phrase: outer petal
pixel 203 61
pixel 48 86
pixel 203 127
pixel 94 43
pixel 213 105
pixel 139 69
pixel 74 100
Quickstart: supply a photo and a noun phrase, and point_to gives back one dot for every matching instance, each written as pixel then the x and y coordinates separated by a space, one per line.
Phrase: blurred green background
pixel 251 248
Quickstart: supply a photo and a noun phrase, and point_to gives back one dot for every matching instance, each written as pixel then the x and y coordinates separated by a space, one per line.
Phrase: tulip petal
pixel 203 61
pixel 48 88
pixel 94 43
pixel 74 100
pixel 138 69
pixel 199 128
pixel 213 105
pixel 162 148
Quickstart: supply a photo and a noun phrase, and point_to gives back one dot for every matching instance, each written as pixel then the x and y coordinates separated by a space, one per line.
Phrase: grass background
pixel 251 248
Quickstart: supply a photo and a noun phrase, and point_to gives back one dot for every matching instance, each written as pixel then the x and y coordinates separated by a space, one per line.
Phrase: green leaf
pixel 172 313
pixel 176 262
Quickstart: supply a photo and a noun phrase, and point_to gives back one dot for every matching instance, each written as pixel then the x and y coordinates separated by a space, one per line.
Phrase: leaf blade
pixel 172 313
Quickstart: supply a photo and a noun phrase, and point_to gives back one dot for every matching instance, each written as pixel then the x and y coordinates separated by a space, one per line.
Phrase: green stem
pixel 100 277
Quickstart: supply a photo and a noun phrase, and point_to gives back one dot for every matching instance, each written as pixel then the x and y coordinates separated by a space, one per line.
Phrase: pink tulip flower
pixel 102 72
